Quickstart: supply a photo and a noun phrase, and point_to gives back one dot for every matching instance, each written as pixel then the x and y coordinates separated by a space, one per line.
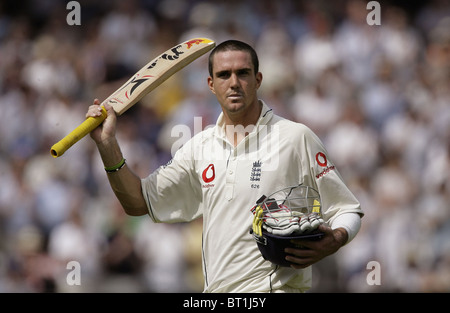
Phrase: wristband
pixel 350 221
pixel 115 168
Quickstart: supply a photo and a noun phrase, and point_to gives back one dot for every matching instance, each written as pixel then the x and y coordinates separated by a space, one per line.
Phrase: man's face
pixel 234 82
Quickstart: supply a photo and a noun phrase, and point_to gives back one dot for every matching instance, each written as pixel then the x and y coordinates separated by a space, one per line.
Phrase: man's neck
pixel 239 126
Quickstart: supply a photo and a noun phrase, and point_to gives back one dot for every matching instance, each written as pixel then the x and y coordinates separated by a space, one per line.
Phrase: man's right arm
pixel 124 182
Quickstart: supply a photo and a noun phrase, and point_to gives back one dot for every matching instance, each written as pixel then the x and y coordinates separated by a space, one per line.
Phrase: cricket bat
pixel 144 81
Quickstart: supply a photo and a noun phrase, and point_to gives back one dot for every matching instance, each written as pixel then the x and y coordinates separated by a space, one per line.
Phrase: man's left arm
pixel 309 252
pixel 340 208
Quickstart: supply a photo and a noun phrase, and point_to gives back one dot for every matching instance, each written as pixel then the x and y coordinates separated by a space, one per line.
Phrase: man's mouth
pixel 235 96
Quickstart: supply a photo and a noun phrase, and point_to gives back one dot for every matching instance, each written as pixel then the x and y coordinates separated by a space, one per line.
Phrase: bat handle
pixel 82 130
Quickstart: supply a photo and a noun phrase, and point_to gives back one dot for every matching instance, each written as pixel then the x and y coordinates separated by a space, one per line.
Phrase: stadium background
pixel 378 96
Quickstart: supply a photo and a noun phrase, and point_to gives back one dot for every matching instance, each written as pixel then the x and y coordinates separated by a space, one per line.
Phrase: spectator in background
pixel 406 58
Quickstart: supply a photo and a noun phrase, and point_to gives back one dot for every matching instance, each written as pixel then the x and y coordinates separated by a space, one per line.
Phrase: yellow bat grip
pixel 82 130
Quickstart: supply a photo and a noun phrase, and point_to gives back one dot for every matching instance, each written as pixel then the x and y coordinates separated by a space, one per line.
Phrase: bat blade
pixel 144 81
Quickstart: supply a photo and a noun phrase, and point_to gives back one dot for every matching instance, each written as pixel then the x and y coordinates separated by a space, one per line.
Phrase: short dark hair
pixel 233 45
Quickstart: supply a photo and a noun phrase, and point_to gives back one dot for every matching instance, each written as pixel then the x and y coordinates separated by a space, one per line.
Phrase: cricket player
pixel 221 172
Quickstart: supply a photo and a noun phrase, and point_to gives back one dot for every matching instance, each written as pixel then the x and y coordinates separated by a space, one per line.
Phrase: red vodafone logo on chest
pixel 208 174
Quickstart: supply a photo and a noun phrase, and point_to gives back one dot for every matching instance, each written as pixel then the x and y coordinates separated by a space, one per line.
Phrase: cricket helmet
pixel 290 213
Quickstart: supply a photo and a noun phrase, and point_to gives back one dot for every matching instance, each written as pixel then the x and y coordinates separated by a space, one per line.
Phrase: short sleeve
pixel 321 173
pixel 173 192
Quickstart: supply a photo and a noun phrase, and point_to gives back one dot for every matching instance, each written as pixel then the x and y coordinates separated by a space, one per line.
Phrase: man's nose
pixel 234 80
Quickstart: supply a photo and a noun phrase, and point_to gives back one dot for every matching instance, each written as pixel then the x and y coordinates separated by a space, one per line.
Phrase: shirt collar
pixel 264 118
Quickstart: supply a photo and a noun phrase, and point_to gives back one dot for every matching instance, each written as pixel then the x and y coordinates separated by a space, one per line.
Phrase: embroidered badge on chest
pixel 255 175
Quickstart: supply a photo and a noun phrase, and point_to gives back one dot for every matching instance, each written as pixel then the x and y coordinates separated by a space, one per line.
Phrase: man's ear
pixel 211 84
pixel 259 78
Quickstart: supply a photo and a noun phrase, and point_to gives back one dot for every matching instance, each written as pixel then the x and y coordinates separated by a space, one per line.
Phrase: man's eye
pixel 223 75
pixel 243 73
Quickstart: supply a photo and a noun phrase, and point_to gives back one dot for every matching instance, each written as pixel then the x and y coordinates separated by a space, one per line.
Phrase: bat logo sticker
pixel 190 43
pixel 136 83
pixel 176 54
pixel 170 57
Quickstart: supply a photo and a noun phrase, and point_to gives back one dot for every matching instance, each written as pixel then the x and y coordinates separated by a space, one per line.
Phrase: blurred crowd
pixel 378 96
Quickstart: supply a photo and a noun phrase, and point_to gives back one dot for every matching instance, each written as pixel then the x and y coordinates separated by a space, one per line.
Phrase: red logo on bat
pixel 136 83
pixel 192 42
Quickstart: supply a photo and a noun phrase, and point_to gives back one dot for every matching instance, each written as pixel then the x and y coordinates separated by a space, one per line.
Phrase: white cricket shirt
pixel 210 177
